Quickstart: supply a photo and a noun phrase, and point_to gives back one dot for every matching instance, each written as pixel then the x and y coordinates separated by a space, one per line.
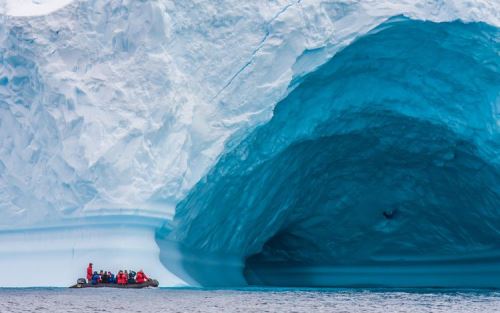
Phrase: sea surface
pixel 56 300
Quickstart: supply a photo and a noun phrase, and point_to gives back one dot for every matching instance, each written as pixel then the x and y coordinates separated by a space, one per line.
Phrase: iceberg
pixel 381 168
pixel 116 116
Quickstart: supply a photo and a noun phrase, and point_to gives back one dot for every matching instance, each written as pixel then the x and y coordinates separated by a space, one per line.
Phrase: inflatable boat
pixel 83 284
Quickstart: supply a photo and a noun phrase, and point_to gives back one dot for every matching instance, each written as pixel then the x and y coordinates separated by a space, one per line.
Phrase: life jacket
pixel 122 279
pixel 140 278
pixel 89 273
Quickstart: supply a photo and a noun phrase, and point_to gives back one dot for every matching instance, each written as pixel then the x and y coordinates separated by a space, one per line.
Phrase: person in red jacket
pixel 141 277
pixel 124 278
pixel 121 279
pixel 89 272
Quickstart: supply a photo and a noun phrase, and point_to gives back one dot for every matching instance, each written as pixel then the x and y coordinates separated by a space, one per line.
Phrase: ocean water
pixel 248 300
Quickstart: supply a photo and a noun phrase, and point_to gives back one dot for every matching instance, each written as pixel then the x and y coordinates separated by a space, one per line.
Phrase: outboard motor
pixel 81 281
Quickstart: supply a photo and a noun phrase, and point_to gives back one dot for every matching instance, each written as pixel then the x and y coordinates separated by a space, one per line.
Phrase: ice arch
pixel 382 167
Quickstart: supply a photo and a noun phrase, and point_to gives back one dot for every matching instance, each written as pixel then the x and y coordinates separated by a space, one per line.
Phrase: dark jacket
pixel 95 279
pixel 104 278
pixel 131 277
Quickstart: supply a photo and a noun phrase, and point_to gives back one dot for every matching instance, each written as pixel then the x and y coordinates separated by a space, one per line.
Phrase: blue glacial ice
pixel 381 167
pixel 258 125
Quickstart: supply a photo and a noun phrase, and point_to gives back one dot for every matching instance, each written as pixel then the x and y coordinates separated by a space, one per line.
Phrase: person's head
pixel 120 272
pixel 141 271
pixel 90 264
pixel 109 273
pixel 95 273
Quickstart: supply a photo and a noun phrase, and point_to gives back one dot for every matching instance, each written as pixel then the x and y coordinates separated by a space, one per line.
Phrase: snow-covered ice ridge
pixel 122 106
pixel 32 7
pixel 125 104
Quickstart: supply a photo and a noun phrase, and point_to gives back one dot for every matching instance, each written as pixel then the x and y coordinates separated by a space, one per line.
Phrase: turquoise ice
pixel 381 167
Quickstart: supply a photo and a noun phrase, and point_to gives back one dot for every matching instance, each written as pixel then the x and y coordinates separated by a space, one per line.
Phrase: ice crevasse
pixel 318 143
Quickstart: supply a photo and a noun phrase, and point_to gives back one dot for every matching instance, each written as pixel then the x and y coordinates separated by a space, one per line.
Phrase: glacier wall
pixel 118 108
pixel 126 104
pixel 382 168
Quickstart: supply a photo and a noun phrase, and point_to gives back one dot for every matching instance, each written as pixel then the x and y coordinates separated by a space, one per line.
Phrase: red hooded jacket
pixel 121 279
pixel 141 277
pixel 89 272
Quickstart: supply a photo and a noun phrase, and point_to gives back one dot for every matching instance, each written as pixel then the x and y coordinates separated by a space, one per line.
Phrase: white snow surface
pixel 112 105
pixel 33 7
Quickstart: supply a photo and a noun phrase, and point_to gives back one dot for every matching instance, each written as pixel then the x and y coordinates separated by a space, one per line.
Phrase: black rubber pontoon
pixel 149 283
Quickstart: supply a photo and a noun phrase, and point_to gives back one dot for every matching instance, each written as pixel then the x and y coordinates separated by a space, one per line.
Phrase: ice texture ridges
pixel 113 105
pixel 381 168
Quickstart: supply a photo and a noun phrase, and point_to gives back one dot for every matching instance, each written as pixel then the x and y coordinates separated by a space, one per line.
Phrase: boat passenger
pixel 95 278
pixel 124 277
pixel 100 276
pixel 131 277
pixel 105 277
pixel 121 279
pixel 89 272
pixel 111 278
pixel 141 277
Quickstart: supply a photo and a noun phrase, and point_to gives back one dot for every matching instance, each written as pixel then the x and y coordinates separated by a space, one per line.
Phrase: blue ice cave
pixel 380 168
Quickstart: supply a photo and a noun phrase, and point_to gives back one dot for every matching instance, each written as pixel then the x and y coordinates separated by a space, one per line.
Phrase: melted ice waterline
pixel 382 167
pixel 58 254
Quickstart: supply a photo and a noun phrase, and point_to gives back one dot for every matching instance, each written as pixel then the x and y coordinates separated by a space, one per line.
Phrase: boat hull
pixel 151 283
